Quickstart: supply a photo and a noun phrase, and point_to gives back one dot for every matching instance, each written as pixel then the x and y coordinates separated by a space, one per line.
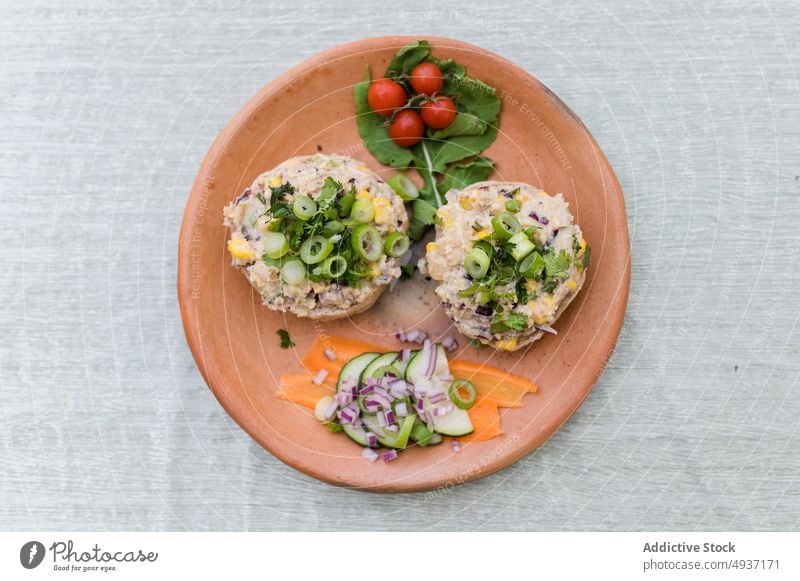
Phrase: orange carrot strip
pixel 485 420
pixel 344 350
pixel 493 384
pixel 301 390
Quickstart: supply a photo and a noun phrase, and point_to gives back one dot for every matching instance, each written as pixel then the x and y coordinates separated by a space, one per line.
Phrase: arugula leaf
pixel 374 132
pixel 423 214
pixel 286 340
pixel 459 176
pixel 408 57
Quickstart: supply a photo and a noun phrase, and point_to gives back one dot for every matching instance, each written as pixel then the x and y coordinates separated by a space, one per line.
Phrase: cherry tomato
pixel 385 96
pixel 407 128
pixel 426 78
pixel 439 113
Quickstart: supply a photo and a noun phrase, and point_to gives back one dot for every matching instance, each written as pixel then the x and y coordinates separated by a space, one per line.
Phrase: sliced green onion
pixel 366 241
pixel 520 246
pixel 532 265
pixel 293 272
pixel 275 244
pixel 385 370
pixel 458 396
pixel 363 211
pixel 505 226
pixel 315 249
pixel 304 207
pixel 476 263
pixel 486 247
pixel 512 206
pixel 334 267
pixel 421 435
pixel 396 244
pixel 403 187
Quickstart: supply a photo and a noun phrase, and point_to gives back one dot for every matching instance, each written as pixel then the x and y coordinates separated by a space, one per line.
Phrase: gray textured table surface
pixel 106 111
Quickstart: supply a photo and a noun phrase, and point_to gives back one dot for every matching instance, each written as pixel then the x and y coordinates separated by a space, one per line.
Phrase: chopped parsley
pixel 286 340
pixel 513 322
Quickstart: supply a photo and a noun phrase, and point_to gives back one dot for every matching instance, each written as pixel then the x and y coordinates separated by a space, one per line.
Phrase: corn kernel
pixel 383 212
pixel 430 247
pixel 571 284
pixel 508 344
pixel 583 245
pixel 531 285
pixel 275 182
pixel 465 202
pixel 539 319
pixel 549 300
pixel 483 234
pixel 544 194
pixel 363 195
pixel 241 249
pixel 447 222
pixel 363 168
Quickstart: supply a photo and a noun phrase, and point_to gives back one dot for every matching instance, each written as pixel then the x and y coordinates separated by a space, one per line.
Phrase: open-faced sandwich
pixel 508 259
pixel 318 236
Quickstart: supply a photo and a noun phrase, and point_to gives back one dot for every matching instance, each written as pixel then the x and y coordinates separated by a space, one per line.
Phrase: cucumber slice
pixel 402 365
pixel 454 423
pixel 416 370
pixel 348 377
pixel 389 439
pixel 377 363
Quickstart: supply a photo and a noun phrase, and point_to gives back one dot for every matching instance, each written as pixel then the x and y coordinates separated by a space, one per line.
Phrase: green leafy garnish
pixel 473 130
pixel 586 256
pixel 328 194
pixel 334 427
pixel 557 265
pixel 513 322
pixel 423 214
pixel 286 340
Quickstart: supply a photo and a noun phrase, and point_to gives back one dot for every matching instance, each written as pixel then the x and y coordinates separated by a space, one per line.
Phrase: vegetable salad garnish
pixel 428 114
pixel 397 399
pixel 331 238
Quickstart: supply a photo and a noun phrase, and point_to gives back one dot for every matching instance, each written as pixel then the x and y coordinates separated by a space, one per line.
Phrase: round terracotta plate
pixel 233 337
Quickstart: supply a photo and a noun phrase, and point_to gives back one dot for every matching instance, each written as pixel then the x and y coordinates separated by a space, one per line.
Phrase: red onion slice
pixel 320 377
pixel 437 397
pixel 390 455
pixel 329 354
pixel 442 410
pixel 547 329
pixel 456 446
pixel 370 454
